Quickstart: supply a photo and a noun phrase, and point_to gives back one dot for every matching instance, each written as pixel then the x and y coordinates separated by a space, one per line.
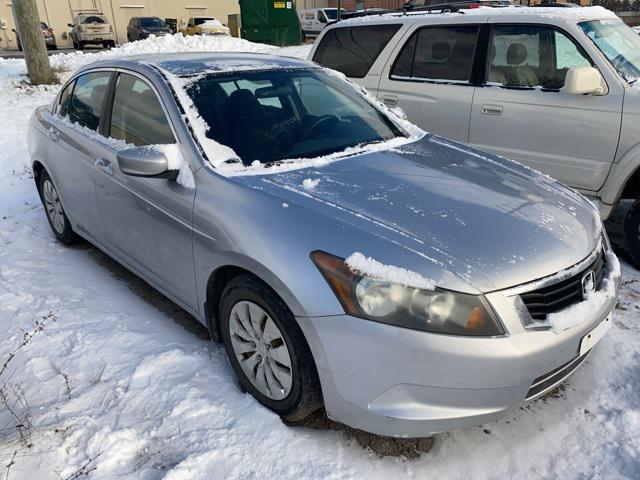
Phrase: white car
pixel 556 89
pixel 91 29
pixel 313 20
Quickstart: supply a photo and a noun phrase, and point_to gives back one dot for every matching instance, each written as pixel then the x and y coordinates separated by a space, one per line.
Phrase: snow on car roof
pixel 193 63
pixel 566 14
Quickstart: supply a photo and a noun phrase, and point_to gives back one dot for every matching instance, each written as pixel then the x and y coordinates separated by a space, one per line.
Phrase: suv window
pixel 438 53
pixel 137 116
pixel 352 50
pixel 87 101
pixel 525 56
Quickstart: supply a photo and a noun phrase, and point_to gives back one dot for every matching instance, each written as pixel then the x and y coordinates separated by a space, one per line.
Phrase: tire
pixel 56 217
pixel 81 45
pixel 293 400
pixel 632 233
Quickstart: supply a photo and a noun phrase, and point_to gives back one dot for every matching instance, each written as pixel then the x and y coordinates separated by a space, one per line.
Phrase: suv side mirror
pixel 70 25
pixel 583 80
pixel 145 162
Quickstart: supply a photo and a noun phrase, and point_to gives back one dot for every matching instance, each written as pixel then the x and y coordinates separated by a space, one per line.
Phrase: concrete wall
pixel 57 13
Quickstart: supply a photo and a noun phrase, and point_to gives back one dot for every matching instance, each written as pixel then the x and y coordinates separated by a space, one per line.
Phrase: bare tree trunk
pixel 32 41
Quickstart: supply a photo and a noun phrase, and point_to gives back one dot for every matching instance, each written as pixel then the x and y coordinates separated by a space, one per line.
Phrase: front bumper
pixel 398 382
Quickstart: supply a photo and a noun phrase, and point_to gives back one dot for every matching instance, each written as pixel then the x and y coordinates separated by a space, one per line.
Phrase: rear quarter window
pixel 353 50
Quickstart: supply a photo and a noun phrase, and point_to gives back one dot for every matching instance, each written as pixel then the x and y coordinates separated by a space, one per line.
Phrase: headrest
pixel 516 54
pixel 440 51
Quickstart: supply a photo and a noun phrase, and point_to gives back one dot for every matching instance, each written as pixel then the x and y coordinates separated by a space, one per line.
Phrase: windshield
pixel 332 13
pixel 619 43
pixel 201 20
pixel 150 22
pixel 94 19
pixel 284 114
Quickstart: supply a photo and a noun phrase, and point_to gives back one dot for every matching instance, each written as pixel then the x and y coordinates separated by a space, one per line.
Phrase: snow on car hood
pixel 487 220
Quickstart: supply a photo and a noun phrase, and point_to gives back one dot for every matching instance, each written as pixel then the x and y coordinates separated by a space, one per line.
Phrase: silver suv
pixel 555 90
pixel 91 29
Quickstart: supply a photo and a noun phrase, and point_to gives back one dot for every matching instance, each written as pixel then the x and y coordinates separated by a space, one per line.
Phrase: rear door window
pixel 353 50
pixel 438 53
pixel 137 115
pixel 62 108
pixel 87 101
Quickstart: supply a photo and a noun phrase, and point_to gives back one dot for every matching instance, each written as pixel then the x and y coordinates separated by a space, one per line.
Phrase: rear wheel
pixel 267 349
pixel 53 208
pixel 632 232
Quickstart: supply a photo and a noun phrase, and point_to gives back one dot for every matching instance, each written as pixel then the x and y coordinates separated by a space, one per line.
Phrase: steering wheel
pixel 323 121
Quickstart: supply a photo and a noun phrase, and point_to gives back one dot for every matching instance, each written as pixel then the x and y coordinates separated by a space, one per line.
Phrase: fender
pixel 619 175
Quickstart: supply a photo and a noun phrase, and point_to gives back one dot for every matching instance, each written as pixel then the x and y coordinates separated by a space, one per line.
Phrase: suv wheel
pixel 632 232
pixel 55 213
pixel 267 349
pixel 80 45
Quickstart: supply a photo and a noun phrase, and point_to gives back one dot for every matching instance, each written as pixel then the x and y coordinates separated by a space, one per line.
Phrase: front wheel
pixel 53 208
pixel 632 232
pixel 267 349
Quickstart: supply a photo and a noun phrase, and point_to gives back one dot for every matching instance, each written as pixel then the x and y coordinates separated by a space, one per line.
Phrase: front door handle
pixel 390 99
pixel 488 109
pixel 104 165
pixel 53 134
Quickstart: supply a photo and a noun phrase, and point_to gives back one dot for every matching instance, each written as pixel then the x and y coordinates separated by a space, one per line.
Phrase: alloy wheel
pixel 261 350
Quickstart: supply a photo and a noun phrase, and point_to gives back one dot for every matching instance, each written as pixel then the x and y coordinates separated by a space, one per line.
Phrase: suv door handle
pixel 53 134
pixel 488 109
pixel 390 99
pixel 105 166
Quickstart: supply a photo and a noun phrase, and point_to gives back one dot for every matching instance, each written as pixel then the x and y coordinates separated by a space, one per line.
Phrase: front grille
pixel 550 380
pixel 563 294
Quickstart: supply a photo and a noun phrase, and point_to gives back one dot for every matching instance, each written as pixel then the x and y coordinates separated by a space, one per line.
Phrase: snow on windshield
pixel 229 162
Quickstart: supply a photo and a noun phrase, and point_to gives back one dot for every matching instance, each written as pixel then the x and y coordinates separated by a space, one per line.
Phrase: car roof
pixel 193 63
pixel 486 14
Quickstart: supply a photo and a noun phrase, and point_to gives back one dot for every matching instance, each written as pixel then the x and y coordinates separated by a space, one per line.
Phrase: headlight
pixel 437 311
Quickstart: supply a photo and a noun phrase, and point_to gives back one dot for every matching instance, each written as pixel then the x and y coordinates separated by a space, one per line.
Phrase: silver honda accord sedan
pixel 405 283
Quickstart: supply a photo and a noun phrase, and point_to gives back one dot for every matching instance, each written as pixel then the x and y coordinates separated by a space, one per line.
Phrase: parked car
pixel 91 29
pixel 384 275
pixel 205 26
pixel 555 91
pixel 313 20
pixel 140 28
pixel 47 33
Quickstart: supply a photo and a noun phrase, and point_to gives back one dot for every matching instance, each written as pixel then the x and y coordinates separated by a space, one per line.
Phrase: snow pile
pixel 370 267
pixel 166 44
pixel 576 314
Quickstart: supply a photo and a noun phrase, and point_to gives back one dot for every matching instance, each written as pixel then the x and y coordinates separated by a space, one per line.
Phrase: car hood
pixel 492 222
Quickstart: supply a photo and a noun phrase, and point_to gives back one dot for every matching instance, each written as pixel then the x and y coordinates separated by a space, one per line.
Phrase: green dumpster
pixel 270 21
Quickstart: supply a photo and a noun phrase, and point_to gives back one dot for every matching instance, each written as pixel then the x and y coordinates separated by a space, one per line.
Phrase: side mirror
pixel 70 25
pixel 582 80
pixel 145 162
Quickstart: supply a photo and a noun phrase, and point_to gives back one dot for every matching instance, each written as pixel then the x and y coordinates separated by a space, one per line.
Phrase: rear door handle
pixel 390 99
pixel 488 109
pixel 53 134
pixel 105 166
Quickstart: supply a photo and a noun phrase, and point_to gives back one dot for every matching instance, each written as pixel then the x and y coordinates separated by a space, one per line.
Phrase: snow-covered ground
pixel 119 383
